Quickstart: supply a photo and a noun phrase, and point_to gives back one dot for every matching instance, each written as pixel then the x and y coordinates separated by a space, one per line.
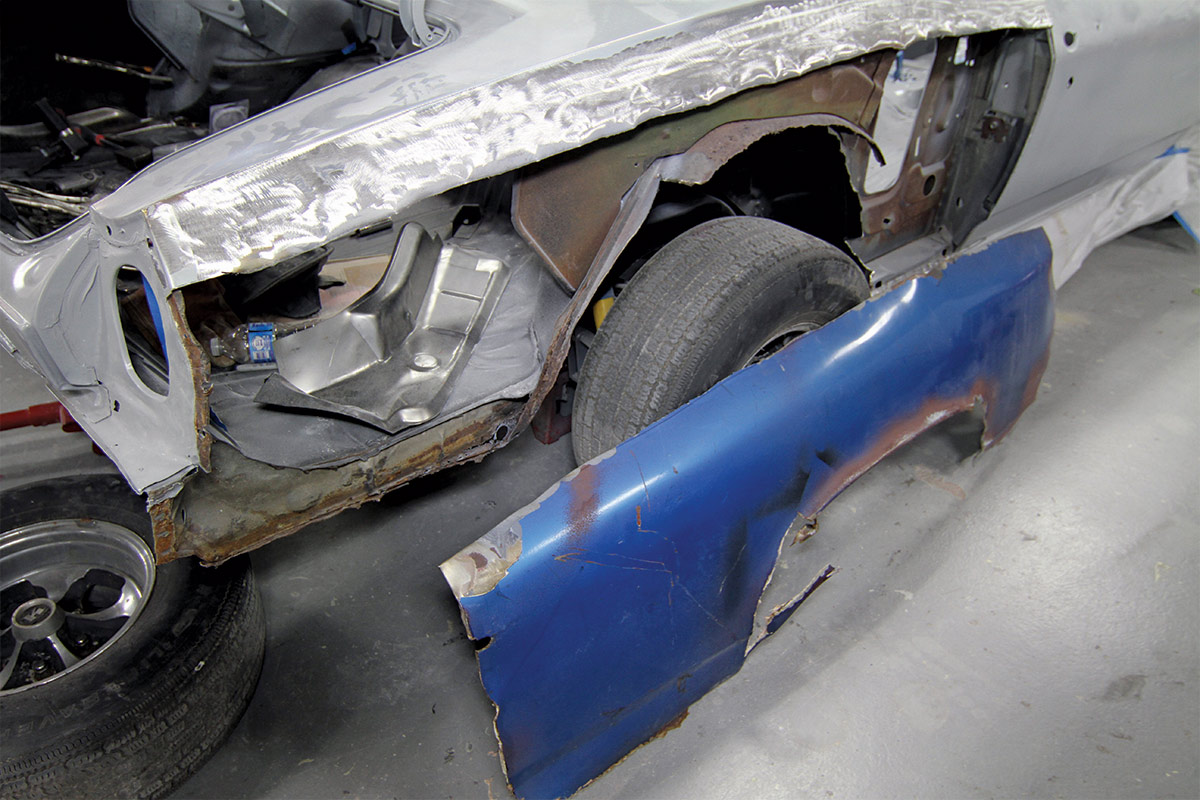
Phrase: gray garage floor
pixel 1021 623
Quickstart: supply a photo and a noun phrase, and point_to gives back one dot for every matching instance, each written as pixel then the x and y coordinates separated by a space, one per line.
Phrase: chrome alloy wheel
pixel 69 589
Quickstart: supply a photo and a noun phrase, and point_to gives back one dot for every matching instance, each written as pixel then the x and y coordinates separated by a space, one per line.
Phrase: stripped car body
pixel 338 161
pixel 473 195
pixel 581 126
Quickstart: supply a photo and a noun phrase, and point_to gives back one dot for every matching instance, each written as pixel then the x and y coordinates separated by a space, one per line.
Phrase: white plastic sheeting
pixel 1157 190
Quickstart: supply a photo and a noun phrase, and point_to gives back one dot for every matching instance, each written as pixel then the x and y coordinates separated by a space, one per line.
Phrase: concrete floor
pixel 1020 623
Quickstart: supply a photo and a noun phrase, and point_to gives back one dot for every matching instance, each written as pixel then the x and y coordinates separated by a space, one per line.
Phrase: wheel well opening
pixel 798 177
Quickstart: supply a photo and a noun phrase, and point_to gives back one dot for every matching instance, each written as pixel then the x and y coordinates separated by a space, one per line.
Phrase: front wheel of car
pixel 716 298
pixel 117 678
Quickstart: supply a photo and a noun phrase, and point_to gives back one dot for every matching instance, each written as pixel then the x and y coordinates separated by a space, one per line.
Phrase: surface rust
pixel 565 207
pixel 201 385
pixel 905 210
pixel 899 433
pixel 700 162
pixel 243 504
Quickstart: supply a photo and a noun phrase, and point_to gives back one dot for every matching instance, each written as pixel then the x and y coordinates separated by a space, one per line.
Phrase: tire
pixel 713 300
pixel 158 686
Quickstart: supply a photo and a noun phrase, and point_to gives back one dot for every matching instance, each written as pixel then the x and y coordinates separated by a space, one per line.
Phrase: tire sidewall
pixel 758 312
pixel 697 312
pixel 77 713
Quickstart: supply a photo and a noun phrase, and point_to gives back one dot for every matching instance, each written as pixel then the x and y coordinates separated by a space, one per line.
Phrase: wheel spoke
pixel 57 581
pixel 7 671
pixel 69 659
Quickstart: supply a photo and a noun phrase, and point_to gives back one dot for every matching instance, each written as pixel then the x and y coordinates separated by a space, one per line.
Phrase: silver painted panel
pixel 502 94
pixel 1125 74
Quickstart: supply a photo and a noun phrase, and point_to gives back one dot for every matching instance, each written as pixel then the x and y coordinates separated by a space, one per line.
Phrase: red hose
pixel 41 414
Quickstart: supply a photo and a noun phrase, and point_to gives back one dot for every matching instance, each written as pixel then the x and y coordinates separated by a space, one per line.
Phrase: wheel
pixel 716 298
pixel 118 678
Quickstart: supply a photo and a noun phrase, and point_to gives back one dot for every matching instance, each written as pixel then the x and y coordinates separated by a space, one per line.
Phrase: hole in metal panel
pixel 142 326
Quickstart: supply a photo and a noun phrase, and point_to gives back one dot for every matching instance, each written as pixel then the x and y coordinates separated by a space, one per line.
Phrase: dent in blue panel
pixel 629 589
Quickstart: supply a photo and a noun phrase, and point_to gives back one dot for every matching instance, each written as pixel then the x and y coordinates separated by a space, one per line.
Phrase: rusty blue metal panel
pixel 630 589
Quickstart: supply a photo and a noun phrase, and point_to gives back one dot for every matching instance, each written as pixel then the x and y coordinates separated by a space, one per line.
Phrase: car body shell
pixel 548 101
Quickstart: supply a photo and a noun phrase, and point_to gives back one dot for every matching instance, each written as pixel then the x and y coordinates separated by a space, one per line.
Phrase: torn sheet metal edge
pixel 630 589
pixel 698 164
pixel 294 201
pixel 243 504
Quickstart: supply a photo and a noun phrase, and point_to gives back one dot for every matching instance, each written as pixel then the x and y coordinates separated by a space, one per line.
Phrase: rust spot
pixel 670 726
pixel 199 367
pixel 802 529
pixel 782 613
pixel 243 504
pixel 582 504
pixel 930 413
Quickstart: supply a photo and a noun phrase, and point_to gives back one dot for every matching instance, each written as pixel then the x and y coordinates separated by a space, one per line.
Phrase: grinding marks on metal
pixel 632 587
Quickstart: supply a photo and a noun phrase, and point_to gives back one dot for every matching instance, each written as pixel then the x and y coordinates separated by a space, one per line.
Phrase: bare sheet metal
pixel 391 358
pixel 631 588
pixel 550 78
pixel 504 364
pixel 59 315
pixel 1117 83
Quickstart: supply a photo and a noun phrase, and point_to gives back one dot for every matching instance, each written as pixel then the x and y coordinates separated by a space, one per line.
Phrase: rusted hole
pixel 958 202
pixel 887 222
pixel 930 182
pixel 1069 38
pixel 481 644
pixel 501 433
